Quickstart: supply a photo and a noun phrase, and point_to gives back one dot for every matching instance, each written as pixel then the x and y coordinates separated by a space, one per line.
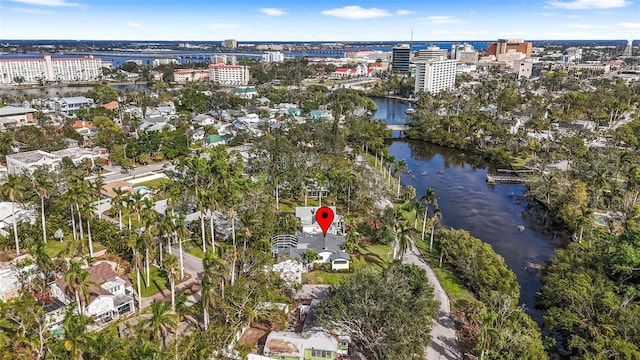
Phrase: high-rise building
pixel 400 57
pixel 433 76
pixel 431 53
pixel 224 59
pixel 273 56
pixel 229 74
pixel 504 46
pixel 628 51
pixel 47 69
pixel 230 44
pixel 465 53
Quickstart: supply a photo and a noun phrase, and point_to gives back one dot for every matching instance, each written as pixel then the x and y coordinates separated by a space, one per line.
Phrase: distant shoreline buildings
pixel 49 70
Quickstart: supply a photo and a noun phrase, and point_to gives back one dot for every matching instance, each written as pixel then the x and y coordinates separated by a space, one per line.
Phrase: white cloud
pixel 404 12
pixel 273 12
pixel 629 25
pixel 52 3
pixel 437 20
pixel 356 12
pixel 29 10
pixel 584 26
pixel 588 4
pixel 133 24
pixel 223 26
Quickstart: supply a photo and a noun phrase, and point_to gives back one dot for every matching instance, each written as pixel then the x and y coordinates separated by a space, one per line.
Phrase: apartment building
pixel 183 75
pixel 434 75
pixel 230 44
pixel 48 69
pixel 229 74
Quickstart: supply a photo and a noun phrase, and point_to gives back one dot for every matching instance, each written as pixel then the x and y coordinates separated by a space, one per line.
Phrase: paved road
pixel 192 264
pixel 444 342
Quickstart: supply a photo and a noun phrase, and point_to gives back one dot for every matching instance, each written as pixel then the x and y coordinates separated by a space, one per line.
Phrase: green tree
pixel 13 190
pixel 403 303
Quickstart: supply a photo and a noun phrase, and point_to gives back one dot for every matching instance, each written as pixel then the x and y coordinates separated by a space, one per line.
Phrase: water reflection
pixel 490 213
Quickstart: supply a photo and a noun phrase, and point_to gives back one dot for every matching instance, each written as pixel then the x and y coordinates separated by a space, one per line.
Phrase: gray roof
pixel 12 110
pixel 319 243
pixel 77 100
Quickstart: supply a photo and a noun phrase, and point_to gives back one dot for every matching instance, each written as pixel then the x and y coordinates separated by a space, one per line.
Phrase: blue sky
pixel 309 20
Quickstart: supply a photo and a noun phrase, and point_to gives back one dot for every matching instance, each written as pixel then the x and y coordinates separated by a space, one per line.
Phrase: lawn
pixel 451 284
pixel 154 184
pixel 371 256
pixel 54 247
pixel 157 282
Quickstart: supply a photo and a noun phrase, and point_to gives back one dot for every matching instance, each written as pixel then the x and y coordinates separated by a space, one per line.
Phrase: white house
pixel 307 217
pixel 7 214
pixel 71 104
pixel 112 299
pixel 10 280
pixel 11 116
pixel 27 162
pixel 328 248
pixel 203 120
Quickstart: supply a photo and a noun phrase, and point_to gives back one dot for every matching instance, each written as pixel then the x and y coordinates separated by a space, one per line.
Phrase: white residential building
pixel 27 162
pixel 165 61
pixel 71 104
pixel 433 76
pixel 183 75
pixel 10 280
pixel 7 213
pixel 47 69
pixel 11 116
pixel 273 56
pixel 229 74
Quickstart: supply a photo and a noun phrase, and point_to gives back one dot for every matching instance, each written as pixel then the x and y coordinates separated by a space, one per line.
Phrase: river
pixel 490 213
pixel 65 90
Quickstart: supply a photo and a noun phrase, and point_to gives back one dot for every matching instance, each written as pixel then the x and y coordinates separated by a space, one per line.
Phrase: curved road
pixel 444 342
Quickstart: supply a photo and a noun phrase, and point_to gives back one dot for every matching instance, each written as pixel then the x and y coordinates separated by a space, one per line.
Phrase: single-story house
pixel 203 120
pixel 11 116
pixel 198 135
pixel 287 345
pixel 320 114
pixel 245 92
pixel 9 280
pixel 7 215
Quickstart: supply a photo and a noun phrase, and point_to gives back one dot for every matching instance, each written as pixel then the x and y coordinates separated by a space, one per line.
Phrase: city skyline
pixel 250 20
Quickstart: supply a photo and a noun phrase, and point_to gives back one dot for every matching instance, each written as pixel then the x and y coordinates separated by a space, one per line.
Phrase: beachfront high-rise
pixel 400 56
pixel 47 69
pixel 435 75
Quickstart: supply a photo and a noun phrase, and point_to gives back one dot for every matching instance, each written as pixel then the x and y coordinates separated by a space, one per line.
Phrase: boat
pixel 424 173
pixel 409 172
pixel 410 111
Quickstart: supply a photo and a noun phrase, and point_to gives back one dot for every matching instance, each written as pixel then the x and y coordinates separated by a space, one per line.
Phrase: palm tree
pixel 429 197
pixel 437 215
pixel 214 268
pixel 584 219
pixel 232 220
pixel 405 238
pixel 44 187
pixel 401 166
pixel 88 209
pixel 13 189
pixel 417 207
pixel 181 232
pixel 76 338
pixel 135 243
pixel 160 322
pixel 96 187
pixel 212 204
pixel 170 264
pixel 77 280
pixel 118 200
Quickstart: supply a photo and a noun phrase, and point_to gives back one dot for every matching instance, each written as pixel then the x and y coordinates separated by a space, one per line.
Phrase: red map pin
pixel 324 217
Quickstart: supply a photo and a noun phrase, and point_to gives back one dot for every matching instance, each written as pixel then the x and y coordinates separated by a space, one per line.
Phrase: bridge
pixel 512 177
pixel 397 127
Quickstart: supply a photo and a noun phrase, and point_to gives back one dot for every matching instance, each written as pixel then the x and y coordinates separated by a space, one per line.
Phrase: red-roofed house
pixel 111 105
pixel 112 298
pixel 184 75
pixel 358 71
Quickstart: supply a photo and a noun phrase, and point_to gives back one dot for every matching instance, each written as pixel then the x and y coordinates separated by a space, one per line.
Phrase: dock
pixel 506 180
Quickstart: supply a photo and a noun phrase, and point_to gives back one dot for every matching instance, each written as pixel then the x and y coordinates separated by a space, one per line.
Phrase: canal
pixel 494 214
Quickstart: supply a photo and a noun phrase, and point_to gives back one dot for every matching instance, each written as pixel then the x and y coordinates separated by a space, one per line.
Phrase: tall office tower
pixel 400 57
pixel 434 75
pixel 628 51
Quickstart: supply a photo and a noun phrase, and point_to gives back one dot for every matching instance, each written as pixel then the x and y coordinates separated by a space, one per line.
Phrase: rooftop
pixel 12 110
pixel 34 156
